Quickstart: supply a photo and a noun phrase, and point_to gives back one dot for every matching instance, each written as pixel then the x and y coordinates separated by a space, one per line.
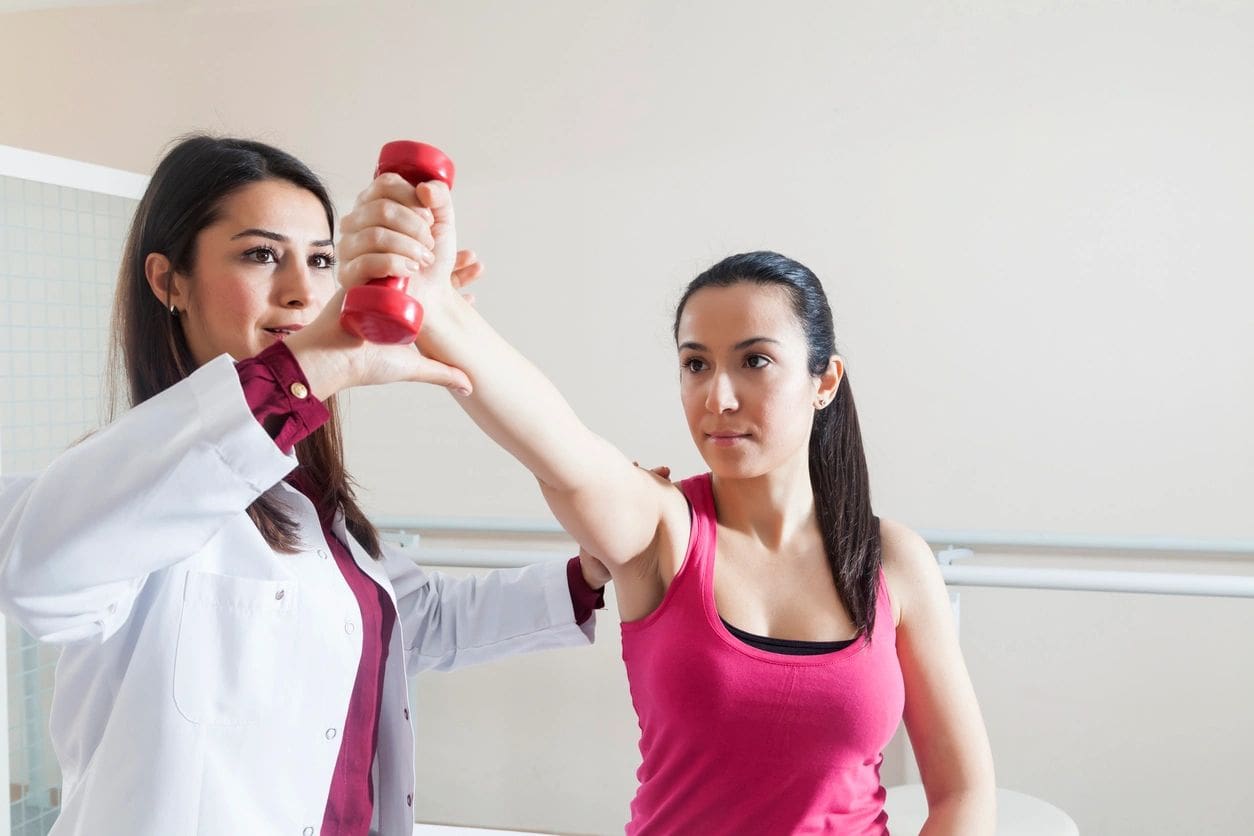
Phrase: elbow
pixel 13 592
pixel 21 596
pixel 52 614
pixel 969 810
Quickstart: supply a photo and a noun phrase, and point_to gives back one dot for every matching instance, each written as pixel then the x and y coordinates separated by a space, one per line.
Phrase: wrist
pixel 445 315
pixel 324 364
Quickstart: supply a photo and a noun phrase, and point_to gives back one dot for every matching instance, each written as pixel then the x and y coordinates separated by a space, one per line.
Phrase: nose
pixel 721 396
pixel 295 285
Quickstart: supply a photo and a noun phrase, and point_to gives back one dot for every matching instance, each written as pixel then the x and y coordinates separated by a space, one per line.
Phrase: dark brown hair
pixel 838 472
pixel 149 349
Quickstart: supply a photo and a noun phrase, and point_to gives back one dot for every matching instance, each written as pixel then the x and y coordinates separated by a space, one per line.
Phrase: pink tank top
pixel 737 740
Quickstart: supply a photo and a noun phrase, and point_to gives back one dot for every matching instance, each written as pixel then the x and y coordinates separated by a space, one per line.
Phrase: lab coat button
pixel 330 734
pixel 308 831
pixel 349 627
pixel 322 553
pixel 409 799
pixel 406 712
pixel 278 596
pixel 299 390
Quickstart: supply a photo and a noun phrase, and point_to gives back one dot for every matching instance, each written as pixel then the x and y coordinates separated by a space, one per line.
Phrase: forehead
pixel 718 317
pixel 277 206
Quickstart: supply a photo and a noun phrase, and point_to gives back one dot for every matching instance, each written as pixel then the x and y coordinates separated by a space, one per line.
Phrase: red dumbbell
pixel 381 311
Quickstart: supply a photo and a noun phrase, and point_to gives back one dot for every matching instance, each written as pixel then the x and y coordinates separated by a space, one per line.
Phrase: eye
pixel 757 361
pixel 694 365
pixel 322 261
pixel 262 255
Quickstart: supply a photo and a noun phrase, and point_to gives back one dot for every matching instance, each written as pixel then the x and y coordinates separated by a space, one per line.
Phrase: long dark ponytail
pixel 838 472
pixel 150 351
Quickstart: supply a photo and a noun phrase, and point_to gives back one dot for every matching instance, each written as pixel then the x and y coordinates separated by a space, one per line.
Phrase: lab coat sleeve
pixel 78 542
pixel 452 622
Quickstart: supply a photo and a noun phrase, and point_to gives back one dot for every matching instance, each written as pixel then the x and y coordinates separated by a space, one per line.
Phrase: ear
pixel 167 285
pixel 829 381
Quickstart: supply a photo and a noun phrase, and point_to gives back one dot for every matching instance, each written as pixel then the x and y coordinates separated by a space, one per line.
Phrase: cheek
pixel 232 304
pixel 692 399
pixel 787 413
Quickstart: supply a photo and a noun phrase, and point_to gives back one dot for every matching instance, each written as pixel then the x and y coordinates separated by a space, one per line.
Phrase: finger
pixel 435 196
pixel 375 266
pixel 390 186
pixel 377 239
pixel 426 370
pixel 388 214
pixel 467 274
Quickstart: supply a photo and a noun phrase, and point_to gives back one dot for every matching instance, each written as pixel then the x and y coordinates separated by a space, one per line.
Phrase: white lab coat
pixel 205 678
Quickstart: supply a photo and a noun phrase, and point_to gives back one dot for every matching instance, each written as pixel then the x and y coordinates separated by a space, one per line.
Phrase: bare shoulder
pixel 909 566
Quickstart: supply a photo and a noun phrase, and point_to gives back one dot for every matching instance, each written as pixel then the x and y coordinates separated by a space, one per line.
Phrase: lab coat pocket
pixel 236 646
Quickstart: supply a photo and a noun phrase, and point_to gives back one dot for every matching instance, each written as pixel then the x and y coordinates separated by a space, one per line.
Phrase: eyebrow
pixel 737 347
pixel 274 236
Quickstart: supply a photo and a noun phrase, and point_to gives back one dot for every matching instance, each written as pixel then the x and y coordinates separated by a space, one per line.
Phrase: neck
pixel 773 508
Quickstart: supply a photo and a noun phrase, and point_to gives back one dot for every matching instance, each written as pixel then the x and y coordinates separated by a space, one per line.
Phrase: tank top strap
pixel 699 491
pixel 884 608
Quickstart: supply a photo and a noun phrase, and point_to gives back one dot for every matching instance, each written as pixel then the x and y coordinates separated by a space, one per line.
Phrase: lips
pixel 284 330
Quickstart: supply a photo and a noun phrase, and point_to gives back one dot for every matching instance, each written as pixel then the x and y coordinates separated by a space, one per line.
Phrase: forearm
pixel 80 540
pixel 455 622
pixel 514 403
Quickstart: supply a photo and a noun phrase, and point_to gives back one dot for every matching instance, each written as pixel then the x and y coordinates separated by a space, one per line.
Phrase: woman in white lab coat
pixel 237 638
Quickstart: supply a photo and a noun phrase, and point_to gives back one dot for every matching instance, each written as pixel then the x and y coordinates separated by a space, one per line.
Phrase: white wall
pixel 1034 219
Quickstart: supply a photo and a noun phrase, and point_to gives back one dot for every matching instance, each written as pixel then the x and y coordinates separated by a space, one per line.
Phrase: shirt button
pixel 330 734
pixel 299 390
pixel 409 799
pixel 349 627
pixel 278 596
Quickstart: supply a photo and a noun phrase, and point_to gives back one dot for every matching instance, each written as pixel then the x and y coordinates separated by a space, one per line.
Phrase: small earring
pixel 173 310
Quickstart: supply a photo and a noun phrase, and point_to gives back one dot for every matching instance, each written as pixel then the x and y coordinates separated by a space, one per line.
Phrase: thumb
pixel 426 370
pixel 435 195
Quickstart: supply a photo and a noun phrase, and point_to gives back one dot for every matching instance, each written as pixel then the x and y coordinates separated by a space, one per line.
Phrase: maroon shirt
pixel 278 395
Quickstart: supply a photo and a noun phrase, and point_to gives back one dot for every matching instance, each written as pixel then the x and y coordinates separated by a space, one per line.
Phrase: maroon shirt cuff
pixel 278 394
pixel 583 598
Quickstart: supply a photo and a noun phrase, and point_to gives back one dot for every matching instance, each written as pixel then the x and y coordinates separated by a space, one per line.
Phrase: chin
pixel 736 467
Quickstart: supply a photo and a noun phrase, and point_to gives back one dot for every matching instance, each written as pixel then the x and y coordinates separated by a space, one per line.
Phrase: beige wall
pixel 1035 221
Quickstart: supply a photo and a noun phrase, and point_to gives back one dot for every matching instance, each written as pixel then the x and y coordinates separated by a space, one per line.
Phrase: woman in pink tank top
pixel 775 630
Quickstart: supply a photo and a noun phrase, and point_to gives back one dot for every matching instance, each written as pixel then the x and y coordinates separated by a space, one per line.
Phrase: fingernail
pixel 464 392
pixel 413 266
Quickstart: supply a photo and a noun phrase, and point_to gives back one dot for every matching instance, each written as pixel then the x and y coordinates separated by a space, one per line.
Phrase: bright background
pixel 1036 224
